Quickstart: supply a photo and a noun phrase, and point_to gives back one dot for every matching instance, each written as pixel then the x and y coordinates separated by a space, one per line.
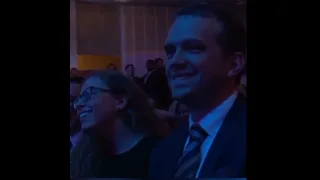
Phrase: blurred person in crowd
pixel 120 129
pixel 202 69
pixel 242 88
pixel 179 109
pixel 166 116
pixel 148 79
pixel 159 64
pixel 130 72
pixel 242 82
pixel 177 114
pixel 162 94
pixel 150 66
pixel 156 84
pixel 243 79
pixel 112 66
pixel 75 125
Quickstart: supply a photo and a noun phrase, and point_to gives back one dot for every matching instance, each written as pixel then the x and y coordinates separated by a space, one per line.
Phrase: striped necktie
pixel 189 162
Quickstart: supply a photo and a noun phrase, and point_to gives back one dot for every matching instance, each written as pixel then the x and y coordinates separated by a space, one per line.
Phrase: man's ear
pixel 237 64
pixel 121 102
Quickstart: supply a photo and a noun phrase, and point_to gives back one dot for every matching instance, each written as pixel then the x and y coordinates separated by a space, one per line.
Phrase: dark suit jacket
pixel 226 157
pixel 149 83
pixel 139 82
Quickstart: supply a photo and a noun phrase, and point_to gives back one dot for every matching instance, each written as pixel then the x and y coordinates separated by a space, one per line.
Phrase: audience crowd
pixel 183 119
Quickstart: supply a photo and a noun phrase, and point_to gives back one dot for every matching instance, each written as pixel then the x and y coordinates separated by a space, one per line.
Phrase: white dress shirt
pixel 211 123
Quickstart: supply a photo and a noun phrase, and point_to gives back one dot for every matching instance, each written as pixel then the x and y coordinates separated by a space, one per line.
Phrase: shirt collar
pixel 216 115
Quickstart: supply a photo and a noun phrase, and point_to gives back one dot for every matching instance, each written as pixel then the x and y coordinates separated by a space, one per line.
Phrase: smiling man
pixel 205 49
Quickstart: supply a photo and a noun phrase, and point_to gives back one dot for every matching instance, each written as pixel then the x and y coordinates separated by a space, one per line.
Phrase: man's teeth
pixel 82 115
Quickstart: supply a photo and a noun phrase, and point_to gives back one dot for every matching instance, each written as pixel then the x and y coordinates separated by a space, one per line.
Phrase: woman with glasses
pixel 120 129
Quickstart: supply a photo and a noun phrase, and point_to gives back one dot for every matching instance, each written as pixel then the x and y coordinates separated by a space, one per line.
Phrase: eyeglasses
pixel 85 96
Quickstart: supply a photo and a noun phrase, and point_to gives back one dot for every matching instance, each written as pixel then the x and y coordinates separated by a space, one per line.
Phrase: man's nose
pixel 178 57
pixel 177 62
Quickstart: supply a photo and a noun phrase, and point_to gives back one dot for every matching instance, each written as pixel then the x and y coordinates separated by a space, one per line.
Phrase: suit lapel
pixel 226 132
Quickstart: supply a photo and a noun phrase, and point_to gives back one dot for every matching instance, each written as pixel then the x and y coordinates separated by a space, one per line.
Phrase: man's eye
pixel 170 50
pixel 195 49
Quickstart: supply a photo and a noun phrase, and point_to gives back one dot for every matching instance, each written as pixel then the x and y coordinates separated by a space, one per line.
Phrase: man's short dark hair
pixel 158 59
pixel 232 37
pixel 129 65
pixel 150 61
pixel 77 79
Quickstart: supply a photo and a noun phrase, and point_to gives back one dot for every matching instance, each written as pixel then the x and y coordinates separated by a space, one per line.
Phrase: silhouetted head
pixel 159 63
pixel 130 71
pixel 150 65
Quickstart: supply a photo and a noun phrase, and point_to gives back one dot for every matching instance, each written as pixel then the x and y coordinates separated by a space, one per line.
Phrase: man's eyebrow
pixel 190 40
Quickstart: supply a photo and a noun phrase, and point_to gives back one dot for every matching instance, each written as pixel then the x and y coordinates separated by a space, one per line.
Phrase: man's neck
pixel 208 103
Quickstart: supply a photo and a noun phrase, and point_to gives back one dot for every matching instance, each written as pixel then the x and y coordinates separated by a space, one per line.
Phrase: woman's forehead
pixel 93 82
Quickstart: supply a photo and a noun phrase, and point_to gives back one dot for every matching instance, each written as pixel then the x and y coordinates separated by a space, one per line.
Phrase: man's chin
pixel 86 126
pixel 181 95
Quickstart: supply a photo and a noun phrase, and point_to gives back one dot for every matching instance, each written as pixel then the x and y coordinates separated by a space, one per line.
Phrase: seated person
pixel 120 129
pixel 242 88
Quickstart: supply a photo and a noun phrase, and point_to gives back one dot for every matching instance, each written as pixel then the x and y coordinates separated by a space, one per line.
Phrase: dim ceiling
pixel 238 3
pixel 237 7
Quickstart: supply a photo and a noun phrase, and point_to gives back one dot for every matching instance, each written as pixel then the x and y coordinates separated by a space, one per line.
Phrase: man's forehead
pixel 192 27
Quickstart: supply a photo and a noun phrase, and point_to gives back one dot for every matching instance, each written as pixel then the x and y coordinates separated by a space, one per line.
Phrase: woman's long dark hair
pixel 86 158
